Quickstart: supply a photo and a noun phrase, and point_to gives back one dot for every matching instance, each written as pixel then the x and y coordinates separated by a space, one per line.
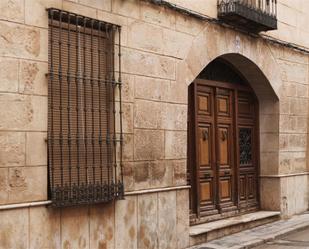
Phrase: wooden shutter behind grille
pixel 81 110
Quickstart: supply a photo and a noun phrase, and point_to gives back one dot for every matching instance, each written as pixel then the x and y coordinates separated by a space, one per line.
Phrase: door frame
pixel 193 171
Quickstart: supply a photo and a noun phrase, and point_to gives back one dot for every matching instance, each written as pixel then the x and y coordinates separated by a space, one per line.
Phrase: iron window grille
pixel 84 110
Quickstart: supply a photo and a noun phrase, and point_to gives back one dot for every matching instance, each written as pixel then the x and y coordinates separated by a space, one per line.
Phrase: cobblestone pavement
pixel 296 240
pixel 269 236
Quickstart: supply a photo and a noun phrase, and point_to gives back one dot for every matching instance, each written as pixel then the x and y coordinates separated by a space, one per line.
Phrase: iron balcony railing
pixel 253 15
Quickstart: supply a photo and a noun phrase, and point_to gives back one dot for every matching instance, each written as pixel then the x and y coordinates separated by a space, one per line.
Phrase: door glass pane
pixel 245 146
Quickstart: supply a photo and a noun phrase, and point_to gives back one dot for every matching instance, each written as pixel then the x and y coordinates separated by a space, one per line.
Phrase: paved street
pixel 297 240
pixel 276 235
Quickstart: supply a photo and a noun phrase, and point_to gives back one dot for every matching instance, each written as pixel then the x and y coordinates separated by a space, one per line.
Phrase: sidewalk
pixel 259 235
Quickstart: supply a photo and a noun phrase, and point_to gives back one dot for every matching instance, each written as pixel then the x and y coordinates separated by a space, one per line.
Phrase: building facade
pixel 205 118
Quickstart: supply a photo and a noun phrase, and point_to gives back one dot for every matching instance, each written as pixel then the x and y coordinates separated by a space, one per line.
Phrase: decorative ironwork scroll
pixel 245 146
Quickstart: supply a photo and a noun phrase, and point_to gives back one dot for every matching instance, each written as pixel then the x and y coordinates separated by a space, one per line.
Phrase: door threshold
pixel 216 229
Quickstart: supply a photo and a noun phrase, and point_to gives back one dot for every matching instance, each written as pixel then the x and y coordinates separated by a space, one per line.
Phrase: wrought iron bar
pixel 82 107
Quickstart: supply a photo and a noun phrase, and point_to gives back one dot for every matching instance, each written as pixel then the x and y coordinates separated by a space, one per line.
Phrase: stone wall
pixel 163 52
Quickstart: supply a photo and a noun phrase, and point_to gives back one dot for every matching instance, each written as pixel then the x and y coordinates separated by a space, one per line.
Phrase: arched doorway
pixel 223 144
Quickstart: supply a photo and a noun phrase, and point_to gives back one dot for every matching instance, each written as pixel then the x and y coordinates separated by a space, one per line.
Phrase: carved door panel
pixel 248 167
pixel 205 134
pixel 225 148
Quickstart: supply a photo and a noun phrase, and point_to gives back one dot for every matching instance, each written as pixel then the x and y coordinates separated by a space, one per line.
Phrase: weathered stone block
pixel 151 88
pixel 188 25
pixel 153 65
pixel 148 144
pixel 20 112
pixel 102 5
pixel 12 10
pixel 142 175
pixel 180 171
pixel 127 93
pixel 269 163
pixel 147 234
pixel 75 228
pixel 175 144
pixel 126 223
pixel 127 117
pixel 182 218
pixel 36 148
pixel 147 114
pixel 12 149
pixel 269 142
pixel 167 234
pixel 102 227
pixel 161 174
pixel 33 78
pixel 130 8
pixel 139 33
pixel 8 75
pixel 157 15
pixel 44 228
pixel 79 9
pixel 27 184
pixel 270 194
pixel 14 230
pixel 35 11
pixel 128 176
pixel 4 185
pixel 23 41
pixel 176 44
pixel 174 117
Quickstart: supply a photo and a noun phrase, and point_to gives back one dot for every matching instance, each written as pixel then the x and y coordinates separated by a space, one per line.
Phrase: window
pixel 84 110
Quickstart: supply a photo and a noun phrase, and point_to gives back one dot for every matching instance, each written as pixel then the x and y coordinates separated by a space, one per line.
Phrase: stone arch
pixel 254 60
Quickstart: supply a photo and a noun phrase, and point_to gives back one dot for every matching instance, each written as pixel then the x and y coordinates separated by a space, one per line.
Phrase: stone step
pixel 213 230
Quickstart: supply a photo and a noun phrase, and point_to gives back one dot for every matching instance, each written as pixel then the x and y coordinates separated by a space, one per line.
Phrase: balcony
pixel 251 15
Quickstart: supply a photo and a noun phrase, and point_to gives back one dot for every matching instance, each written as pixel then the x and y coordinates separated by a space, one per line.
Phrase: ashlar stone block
pixel 147 231
pixel 9 75
pixel 27 184
pixel 126 223
pixel 33 78
pixel 153 65
pixel 148 144
pixel 12 10
pixel 36 148
pixel 102 228
pixel 14 230
pixel 175 144
pixel 152 88
pixel 167 232
pixel 147 114
pixel 182 218
pixel 157 15
pixel 12 149
pixel 4 185
pixel 130 8
pixel 174 117
pixel 75 228
pixel 44 228
pixel 102 5
pixel 23 112
pixel 23 41
pixel 35 11
pixel 139 33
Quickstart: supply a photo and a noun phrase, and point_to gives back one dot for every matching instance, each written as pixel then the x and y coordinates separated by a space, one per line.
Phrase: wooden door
pixel 222 142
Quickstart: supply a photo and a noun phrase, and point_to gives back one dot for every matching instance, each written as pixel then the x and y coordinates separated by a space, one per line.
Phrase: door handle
pixel 223 135
pixel 205 135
